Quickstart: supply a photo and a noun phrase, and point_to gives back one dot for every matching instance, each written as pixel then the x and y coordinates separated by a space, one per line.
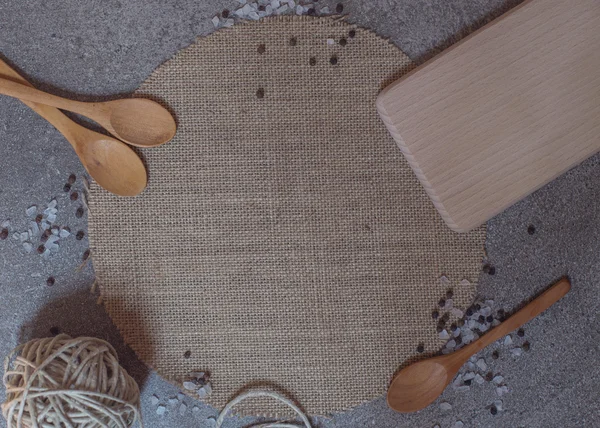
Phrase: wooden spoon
pixel 113 164
pixel 137 121
pixel 419 384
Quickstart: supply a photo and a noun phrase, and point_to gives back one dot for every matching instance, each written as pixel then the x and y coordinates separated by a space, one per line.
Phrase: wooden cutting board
pixel 502 112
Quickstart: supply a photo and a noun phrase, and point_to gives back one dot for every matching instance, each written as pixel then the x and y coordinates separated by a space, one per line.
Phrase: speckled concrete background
pixel 95 49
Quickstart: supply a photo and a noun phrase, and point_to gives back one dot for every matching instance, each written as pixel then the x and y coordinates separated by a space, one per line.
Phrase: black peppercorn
pixel 261 7
pixel 41 249
pixel 453 327
pixel 469 312
pixel 351 34
pixel 343 42
pixel 526 346
pixel 86 255
pixel 260 93
pixel 467 382
pixel 489 376
pixel 442 303
pixel 421 348
pixel 493 410
pixel 333 60
pixel 261 49
pixel 72 179
pixel 66 188
pixel 492 270
pixel 293 41
pixel 531 229
pixel 520 332
pixel 80 235
pixel 481 319
pixel 489 318
pixel 477 306
pixel 187 354
pixel 445 317
pixel 449 293
pixel 4 234
pixel 495 355
pixel 311 11
pixel 55 331
pixel 225 13
pixel 458 340
pixel 39 218
pixel 74 196
pixel 79 212
pixel 312 61
pixel 439 328
pixel 460 322
pixel 435 315
pixel 339 8
pixel 50 281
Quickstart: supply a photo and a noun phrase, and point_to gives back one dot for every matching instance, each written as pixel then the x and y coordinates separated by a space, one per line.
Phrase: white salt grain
pixel 173 401
pixel 160 410
pixel 212 421
pixel 471 366
pixel 64 233
pixel 469 376
pixel 483 327
pixel 481 364
pixel 5 223
pixel 498 405
pixel 458 380
pixel 180 396
pixel 490 303
pixel 215 21
pixel 195 409
pixel 36 275
pixel 44 225
pixel 451 344
pixel 446 351
pixel 486 311
pixel 325 10
pixel 299 10
pixel 254 16
pixel 444 280
pixel 241 1
pixel 52 204
pixel 517 352
pixel 24 236
pixel 291 4
pixel 330 42
pixel 190 386
pixel 456 332
pixel 208 388
pixel 281 10
pixel 436 426
pixel 508 341
pixel 55 230
pixel 154 400
pixel 275 4
pixel 497 380
pixel 444 407
pixel 16 236
pixel 463 388
pixel 30 233
pixel 269 9
pixel 444 335
pixel 54 248
pixel 182 409
pixel 51 218
pixel 501 390
pixel 34 227
pixel 202 393
pixel 456 313
pixel 27 247
pixel 46 253
pixel 449 304
pixel 479 379
pixel 458 424
pixel 31 211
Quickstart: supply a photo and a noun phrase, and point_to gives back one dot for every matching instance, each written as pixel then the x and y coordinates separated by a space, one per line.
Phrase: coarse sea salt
pixel 444 406
pixel 154 400
pixel 31 211
pixel 481 364
pixel 160 410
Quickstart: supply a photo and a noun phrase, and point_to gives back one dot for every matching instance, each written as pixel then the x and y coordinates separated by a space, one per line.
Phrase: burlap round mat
pixel 283 239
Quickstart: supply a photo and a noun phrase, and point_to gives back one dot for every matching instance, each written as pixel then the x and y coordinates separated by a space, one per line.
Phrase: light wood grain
pixel 137 121
pixel 113 164
pixel 419 384
pixel 502 112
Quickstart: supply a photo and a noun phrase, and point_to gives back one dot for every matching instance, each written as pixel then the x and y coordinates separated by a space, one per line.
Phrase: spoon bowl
pixel 139 121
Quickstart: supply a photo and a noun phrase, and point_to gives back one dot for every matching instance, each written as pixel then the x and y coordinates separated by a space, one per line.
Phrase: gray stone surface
pixel 97 49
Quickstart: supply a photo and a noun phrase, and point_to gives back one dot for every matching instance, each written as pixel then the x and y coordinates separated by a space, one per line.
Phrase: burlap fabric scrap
pixel 283 239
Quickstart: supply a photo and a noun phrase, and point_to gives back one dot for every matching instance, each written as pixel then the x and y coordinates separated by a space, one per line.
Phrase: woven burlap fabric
pixel 283 239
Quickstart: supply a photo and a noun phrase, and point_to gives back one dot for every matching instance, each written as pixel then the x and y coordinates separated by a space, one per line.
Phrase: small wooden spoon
pixel 137 121
pixel 419 384
pixel 113 164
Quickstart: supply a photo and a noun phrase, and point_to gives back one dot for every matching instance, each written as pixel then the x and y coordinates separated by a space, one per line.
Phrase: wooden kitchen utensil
pixel 113 164
pixel 419 384
pixel 137 121
pixel 502 112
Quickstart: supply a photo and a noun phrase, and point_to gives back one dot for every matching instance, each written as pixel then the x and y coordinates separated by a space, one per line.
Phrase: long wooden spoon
pixel 113 164
pixel 419 384
pixel 137 121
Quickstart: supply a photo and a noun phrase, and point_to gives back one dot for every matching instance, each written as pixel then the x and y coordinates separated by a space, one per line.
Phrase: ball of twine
pixel 68 382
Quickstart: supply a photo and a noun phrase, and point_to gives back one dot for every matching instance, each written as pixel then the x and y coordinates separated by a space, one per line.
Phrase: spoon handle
pixel 28 93
pixel 51 114
pixel 522 316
